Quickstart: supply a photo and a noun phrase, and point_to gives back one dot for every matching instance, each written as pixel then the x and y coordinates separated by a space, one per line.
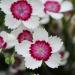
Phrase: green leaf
pixel 9 59
pixel 73 1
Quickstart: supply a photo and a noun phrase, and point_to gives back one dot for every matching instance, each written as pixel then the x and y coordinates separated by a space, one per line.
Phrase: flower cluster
pixel 26 18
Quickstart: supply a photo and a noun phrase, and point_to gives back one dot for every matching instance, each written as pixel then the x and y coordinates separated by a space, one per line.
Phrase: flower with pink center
pixel 22 33
pixel 55 8
pixel 43 48
pixel 6 40
pixel 20 11
pixel 25 35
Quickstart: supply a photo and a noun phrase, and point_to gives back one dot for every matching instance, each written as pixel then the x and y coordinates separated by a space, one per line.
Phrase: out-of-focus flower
pixel 67 15
pixel 71 28
pixel 73 39
pixel 22 33
pixel 2 73
pixel 20 11
pixel 55 8
pixel 73 20
pixel 56 27
pixel 6 40
pixel 38 11
pixel 43 48
pixel 63 55
pixel 18 65
pixel 36 74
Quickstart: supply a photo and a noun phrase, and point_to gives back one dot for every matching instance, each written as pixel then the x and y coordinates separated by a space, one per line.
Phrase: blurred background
pixel 65 28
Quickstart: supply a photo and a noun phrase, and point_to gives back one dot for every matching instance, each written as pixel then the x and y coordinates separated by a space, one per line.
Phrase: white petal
pixel 23 48
pixel 38 8
pixel 32 23
pixel 60 1
pixel 45 20
pixel 40 34
pixel 66 55
pixel 11 22
pixel 9 39
pixel 32 63
pixel 62 48
pixel 43 1
pixel 66 6
pixel 55 43
pixel 4 35
pixel 53 61
pixel 19 30
pixel 5 5
pixel 63 62
pixel 56 16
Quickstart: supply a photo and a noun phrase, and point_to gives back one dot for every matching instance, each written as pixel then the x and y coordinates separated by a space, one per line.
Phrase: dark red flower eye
pixel 2 43
pixel 25 35
pixel 52 6
pixel 40 50
pixel 21 10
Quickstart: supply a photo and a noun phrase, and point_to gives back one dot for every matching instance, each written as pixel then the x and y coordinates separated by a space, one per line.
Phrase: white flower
pixel 6 40
pixel 55 8
pixel 42 48
pixel 38 10
pixel 18 12
pixel 22 33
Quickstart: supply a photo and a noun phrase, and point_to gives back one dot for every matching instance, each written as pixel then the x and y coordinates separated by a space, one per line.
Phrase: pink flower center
pixel 52 6
pixel 40 50
pixel 2 43
pixel 25 35
pixel 21 10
